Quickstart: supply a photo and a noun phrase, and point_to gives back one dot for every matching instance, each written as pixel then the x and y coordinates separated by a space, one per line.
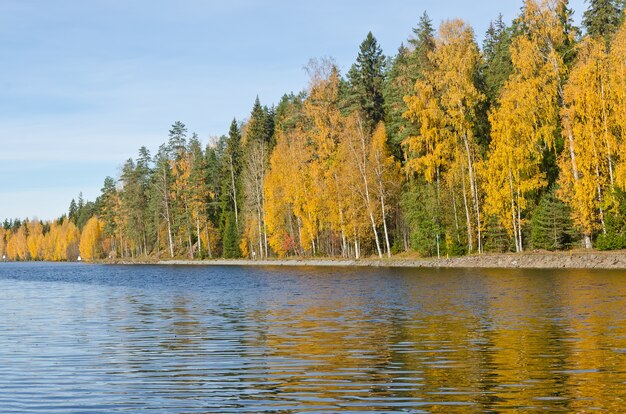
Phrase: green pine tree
pixel 231 249
pixel 406 67
pixel 72 210
pixel 260 126
pixel 602 18
pixel 426 230
pixel 230 177
pixel 496 238
pixel 551 224
pixel 615 222
pixel 177 139
pixel 366 78
pixel 498 65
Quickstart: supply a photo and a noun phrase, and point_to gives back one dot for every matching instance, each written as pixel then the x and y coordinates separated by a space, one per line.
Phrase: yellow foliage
pixel 91 239
pixel 588 109
pixel 617 86
pixel 3 244
pixel 444 106
pixel 34 239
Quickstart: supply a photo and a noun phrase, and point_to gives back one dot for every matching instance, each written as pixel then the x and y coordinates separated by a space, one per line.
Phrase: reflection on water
pixel 79 338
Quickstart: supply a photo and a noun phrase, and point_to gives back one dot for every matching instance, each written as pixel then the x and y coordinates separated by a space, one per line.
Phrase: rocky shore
pixel 543 260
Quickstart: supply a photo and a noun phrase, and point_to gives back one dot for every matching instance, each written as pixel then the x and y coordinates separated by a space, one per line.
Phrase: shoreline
pixel 543 260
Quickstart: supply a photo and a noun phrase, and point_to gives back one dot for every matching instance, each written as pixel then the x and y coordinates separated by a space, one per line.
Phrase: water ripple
pixel 94 339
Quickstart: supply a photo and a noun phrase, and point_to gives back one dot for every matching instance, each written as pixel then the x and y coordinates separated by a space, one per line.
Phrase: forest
pixel 446 148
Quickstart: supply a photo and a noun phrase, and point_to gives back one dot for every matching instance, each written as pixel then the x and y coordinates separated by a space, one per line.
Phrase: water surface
pixel 87 338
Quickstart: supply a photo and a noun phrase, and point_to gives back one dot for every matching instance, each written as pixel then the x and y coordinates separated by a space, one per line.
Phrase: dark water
pixel 81 338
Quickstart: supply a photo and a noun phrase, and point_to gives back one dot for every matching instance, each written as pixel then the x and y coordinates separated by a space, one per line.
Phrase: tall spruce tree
pixel 602 18
pixel 366 78
pixel 497 53
pixel 259 126
pixel 230 238
pixel 551 224
pixel 213 162
pixel 108 196
pixel 424 42
pixel 231 187
pixel 255 162
pixel 71 214
pixel 406 67
pixel 177 138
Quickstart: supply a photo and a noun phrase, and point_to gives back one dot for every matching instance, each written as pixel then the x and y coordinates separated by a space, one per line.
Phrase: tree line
pixel 445 148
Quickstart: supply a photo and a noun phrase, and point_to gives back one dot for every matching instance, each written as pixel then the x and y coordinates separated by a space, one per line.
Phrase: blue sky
pixel 84 84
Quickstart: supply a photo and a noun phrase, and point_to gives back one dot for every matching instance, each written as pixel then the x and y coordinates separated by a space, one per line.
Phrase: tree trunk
pixel 474 191
pixel 167 212
pixel 470 241
pixel 198 235
pixel 234 191
pixel 382 206
pixel 513 210
pixel 208 240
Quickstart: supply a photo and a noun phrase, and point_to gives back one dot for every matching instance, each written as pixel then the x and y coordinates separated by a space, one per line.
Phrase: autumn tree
pixel 617 85
pixel 588 110
pixel 525 122
pixel 282 194
pixel 3 242
pixel 34 239
pixel 17 247
pixel 91 239
pixel 445 105
pixel 386 177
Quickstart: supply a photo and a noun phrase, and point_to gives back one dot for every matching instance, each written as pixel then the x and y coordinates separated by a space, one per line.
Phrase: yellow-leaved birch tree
pixel 588 109
pixel 445 106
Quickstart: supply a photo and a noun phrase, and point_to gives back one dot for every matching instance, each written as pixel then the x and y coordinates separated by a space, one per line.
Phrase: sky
pixel 84 84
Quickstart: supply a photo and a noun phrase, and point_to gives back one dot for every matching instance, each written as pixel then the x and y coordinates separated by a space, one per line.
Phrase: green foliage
pixel 84 211
pixel 107 206
pixel 177 138
pixel 213 163
pixel 426 234
pixel 231 249
pixel 190 197
pixel 551 224
pixel 230 177
pixel 288 113
pixel 261 124
pixel 366 78
pixel 602 18
pixel 615 222
pixel 72 210
pixel 405 68
pixel 424 41
pixel 497 52
pixel 496 238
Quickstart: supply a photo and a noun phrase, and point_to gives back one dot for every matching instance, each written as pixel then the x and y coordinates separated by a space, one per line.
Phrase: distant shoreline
pixel 543 260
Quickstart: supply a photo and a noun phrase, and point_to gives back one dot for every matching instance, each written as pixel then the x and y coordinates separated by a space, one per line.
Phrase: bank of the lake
pixel 543 260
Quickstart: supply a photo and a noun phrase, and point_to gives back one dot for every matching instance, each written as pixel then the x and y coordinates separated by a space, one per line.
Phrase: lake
pixel 92 338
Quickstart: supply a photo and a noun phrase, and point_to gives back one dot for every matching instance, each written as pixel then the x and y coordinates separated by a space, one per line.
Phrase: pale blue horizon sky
pixel 86 83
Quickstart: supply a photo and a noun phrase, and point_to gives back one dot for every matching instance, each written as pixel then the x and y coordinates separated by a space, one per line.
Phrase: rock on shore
pixel 566 260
